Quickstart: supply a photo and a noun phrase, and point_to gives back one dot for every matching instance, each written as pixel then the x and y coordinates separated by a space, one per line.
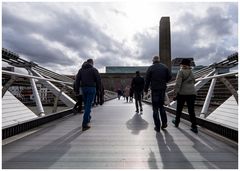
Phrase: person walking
pixel 185 92
pixel 157 76
pixel 137 86
pixel 119 92
pixel 127 92
pixel 90 79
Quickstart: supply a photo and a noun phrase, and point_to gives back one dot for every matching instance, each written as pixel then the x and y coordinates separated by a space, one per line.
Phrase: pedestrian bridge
pixel 118 139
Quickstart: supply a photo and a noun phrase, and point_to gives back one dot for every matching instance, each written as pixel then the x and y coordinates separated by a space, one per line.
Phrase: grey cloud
pixel 118 12
pixel 67 27
pixel 80 33
pixel 148 45
pixel 34 49
pixel 185 43
pixel 233 11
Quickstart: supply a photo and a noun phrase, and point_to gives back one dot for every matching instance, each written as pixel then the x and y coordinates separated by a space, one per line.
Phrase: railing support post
pixel 208 98
pixel 230 87
pixel 64 97
pixel 56 99
pixel 36 96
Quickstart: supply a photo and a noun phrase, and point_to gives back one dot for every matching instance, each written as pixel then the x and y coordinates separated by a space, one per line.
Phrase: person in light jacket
pixel 185 92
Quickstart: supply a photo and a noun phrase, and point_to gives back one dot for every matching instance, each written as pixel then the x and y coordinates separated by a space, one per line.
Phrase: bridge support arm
pixel 36 96
pixel 8 84
pixel 230 88
pixel 56 100
pixel 64 97
pixel 208 97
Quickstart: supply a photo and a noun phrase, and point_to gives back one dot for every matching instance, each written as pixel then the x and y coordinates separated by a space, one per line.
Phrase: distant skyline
pixel 61 36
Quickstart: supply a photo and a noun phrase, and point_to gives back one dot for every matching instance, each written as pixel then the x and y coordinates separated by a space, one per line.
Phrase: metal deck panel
pixel 118 139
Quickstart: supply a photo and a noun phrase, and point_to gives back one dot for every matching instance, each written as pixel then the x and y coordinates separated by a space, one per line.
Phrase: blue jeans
pixel 157 104
pixel 88 97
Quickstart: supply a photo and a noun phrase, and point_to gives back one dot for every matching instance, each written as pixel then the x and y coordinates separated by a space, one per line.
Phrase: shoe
pixel 141 110
pixel 156 129
pixel 174 122
pixel 195 130
pixel 86 127
pixel 164 126
pixel 137 111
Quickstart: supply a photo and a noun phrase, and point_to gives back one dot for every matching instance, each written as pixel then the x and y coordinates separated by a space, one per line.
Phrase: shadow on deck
pixel 118 139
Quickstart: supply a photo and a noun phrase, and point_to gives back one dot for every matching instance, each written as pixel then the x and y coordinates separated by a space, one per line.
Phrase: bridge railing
pixel 20 119
pixel 61 92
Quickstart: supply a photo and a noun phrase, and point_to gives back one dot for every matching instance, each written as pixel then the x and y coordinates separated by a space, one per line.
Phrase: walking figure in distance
pixel 127 92
pixel 137 86
pixel 157 76
pixel 90 79
pixel 131 95
pixel 185 92
pixel 119 92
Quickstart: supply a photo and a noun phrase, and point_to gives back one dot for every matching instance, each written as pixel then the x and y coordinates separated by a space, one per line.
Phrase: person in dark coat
pixel 157 76
pixel 89 78
pixel 119 92
pixel 137 86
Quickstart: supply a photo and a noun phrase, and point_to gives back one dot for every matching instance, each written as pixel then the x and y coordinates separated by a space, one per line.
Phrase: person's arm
pixel 142 84
pixel 132 84
pixel 178 82
pixel 169 76
pixel 147 80
pixel 78 79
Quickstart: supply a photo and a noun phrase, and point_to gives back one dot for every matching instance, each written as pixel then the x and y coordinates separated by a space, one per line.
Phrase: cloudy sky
pixel 60 36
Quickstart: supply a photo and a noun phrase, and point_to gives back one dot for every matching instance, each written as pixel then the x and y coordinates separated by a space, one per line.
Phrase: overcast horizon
pixel 61 36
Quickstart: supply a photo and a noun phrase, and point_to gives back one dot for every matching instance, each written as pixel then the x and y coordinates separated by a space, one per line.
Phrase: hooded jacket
pixel 157 75
pixel 185 82
pixel 88 76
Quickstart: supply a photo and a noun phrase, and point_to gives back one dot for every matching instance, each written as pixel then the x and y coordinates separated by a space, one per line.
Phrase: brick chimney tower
pixel 165 42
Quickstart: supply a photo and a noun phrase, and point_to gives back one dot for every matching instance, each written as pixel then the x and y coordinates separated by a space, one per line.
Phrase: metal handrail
pixel 35 77
pixel 210 77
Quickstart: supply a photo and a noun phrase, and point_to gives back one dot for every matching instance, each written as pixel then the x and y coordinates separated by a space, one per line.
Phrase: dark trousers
pixel 78 105
pixel 138 99
pixel 157 105
pixel 190 99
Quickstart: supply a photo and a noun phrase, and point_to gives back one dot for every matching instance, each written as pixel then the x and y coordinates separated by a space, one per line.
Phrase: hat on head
pixel 90 61
pixel 186 62
pixel 156 59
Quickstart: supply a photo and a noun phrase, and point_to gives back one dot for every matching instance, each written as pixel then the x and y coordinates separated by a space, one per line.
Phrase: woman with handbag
pixel 185 92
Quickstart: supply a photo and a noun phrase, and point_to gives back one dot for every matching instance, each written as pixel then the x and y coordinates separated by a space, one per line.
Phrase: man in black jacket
pixel 158 75
pixel 89 78
pixel 137 86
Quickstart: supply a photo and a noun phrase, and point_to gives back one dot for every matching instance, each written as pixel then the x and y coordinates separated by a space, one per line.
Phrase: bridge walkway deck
pixel 118 139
